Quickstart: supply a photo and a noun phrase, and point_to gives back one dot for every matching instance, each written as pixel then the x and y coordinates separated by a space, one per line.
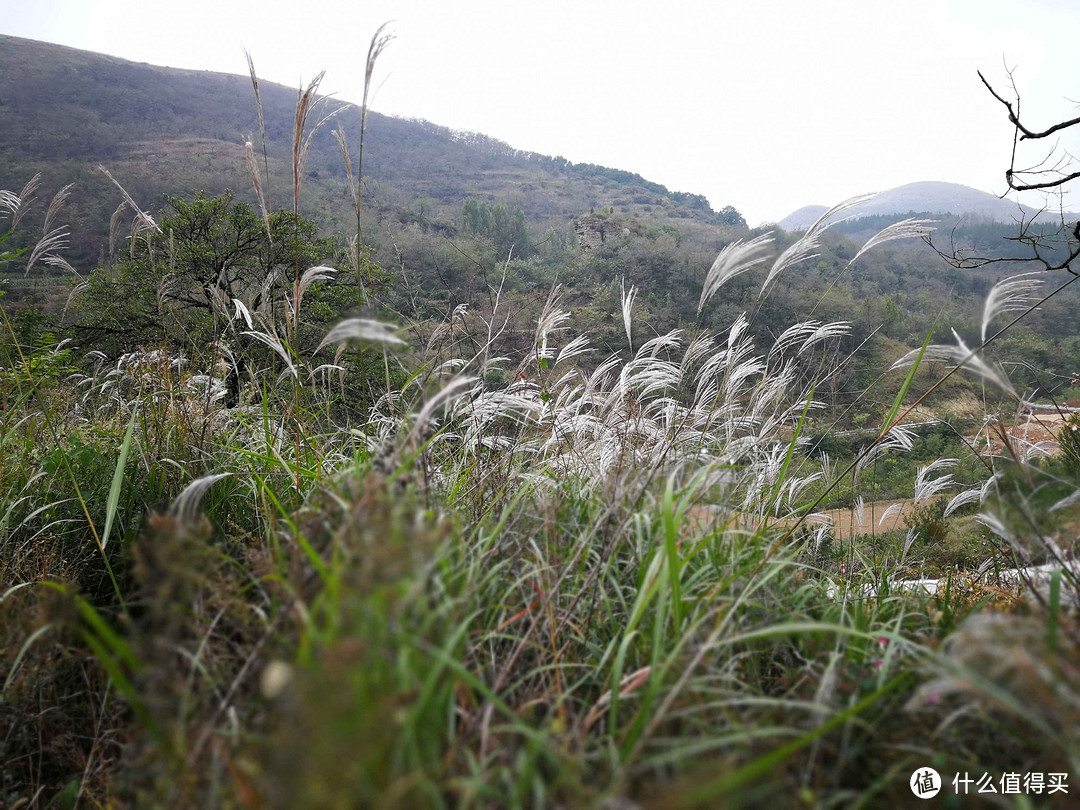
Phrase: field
pixel 265 553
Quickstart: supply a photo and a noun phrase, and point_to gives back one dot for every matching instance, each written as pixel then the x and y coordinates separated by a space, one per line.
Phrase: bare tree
pixel 1052 243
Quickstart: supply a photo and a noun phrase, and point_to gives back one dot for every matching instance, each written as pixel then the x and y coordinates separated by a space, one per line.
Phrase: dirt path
pixel 845 522
pixel 872 519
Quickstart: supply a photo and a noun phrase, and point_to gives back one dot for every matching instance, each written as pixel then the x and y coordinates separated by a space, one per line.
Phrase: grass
pixel 497 586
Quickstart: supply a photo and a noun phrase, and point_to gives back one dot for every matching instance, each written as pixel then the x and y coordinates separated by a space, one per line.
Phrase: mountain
pixel 926 197
pixel 168 131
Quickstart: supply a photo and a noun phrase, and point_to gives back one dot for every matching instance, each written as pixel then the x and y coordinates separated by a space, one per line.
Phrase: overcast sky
pixel 766 105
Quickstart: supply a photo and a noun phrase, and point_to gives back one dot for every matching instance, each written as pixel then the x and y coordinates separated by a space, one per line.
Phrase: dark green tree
pixel 502 224
pixel 208 248
pixel 729 215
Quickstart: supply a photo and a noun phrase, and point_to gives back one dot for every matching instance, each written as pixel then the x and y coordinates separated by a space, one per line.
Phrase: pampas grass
pixel 529 573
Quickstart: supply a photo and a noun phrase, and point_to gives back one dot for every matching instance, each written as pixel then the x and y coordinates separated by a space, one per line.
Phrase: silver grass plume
pixel 262 132
pixel 241 311
pixel 17 204
pixel 905 229
pixel 576 347
pixel 54 238
pixel 1067 501
pixel 379 42
pixel 909 540
pixel 343 145
pixel 963 499
pixel 146 221
pixel 114 222
pixel 1013 294
pixel 899 438
pixel 253 170
pixel 926 487
pixel 890 511
pixel 270 338
pixel 186 506
pixel 732 261
pixel 361 329
pixel 806 246
pixel 307 100
pixel 312 275
pixel 959 356
pixel 627 307
pixel 860 513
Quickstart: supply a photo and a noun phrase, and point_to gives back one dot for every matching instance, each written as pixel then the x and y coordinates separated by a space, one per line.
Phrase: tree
pixel 502 225
pixel 729 215
pixel 209 249
pixel 1055 246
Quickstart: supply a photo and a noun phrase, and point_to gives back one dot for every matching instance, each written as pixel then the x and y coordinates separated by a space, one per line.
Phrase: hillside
pixel 927 196
pixel 550 488
pixel 163 130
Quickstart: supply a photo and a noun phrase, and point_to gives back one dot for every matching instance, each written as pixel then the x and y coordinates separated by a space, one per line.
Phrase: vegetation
pixel 304 521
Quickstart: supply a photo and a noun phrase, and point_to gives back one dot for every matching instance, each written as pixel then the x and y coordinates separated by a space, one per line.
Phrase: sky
pixel 767 105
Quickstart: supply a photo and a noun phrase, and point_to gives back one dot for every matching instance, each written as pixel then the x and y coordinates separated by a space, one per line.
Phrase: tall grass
pixel 600 582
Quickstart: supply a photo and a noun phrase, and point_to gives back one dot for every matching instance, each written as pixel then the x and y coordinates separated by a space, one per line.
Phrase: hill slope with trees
pixel 168 131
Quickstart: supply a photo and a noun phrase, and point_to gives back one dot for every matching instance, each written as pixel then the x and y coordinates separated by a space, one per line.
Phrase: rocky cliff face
pixel 591 231
pixel 594 229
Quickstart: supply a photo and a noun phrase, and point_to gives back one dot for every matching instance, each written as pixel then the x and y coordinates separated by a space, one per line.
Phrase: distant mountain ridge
pixel 162 130
pixel 930 196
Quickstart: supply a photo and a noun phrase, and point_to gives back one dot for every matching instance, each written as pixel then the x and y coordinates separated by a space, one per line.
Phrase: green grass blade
pixel 708 793
pixel 117 482
pixel 887 425
pixel 18 658
pixel 1054 613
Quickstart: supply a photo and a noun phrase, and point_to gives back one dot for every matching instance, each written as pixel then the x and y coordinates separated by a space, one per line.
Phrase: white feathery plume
pixel 311 276
pixel 577 346
pixel 186 506
pixel 963 499
pixel 1033 449
pixel 144 218
pixel 253 170
pixel 909 540
pixel 62 263
pixel 114 222
pixel 1013 294
pixel 454 389
pixel 734 260
pixel 806 246
pixel 343 145
pixel 54 239
pixel 17 204
pixel 926 487
pixel 893 509
pixel 959 356
pixel 47 247
pixel 899 437
pixel 262 135
pixel 670 340
pixel 361 329
pixel 905 229
pixel 274 342
pixel 627 306
pixel 697 348
pixel 792 335
pixel 56 204
pixel 994 524
pixel 1067 501
pixel 826 331
pixel 241 311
